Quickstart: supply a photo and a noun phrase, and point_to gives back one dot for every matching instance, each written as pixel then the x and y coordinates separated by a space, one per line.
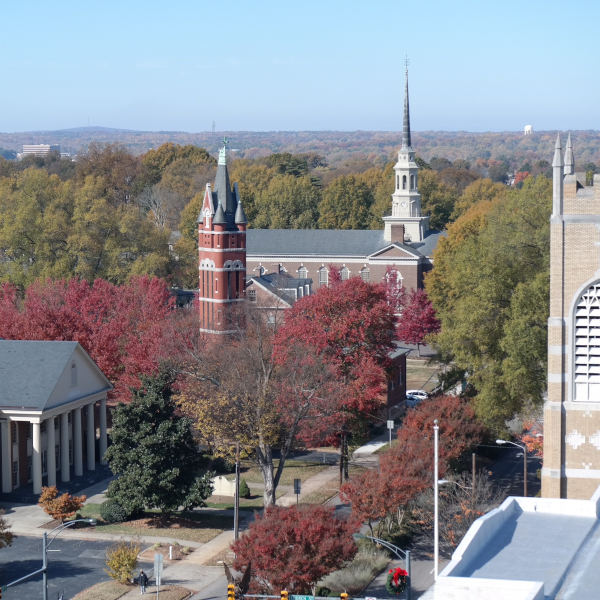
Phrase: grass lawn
pixel 255 501
pixel 207 526
pixel 386 447
pixel 319 496
pixel 109 590
pixel 293 469
pixel 418 375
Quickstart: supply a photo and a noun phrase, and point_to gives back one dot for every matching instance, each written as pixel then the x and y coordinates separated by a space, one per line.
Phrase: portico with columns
pixel 53 421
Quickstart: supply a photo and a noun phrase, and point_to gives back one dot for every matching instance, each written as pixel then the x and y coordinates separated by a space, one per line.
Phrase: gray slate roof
pixel 30 370
pixel 282 284
pixel 328 242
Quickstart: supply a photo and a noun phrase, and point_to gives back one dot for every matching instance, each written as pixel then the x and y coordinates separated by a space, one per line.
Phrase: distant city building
pixel 528 129
pixel 40 149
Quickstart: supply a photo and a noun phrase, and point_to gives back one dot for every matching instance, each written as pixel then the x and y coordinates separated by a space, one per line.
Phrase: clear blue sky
pixel 267 65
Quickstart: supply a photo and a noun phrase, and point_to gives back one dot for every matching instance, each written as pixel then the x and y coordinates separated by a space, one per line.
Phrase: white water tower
pixel 528 129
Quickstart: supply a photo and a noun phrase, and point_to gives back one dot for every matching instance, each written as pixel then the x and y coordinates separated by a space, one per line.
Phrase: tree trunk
pixel 164 516
pixel 419 350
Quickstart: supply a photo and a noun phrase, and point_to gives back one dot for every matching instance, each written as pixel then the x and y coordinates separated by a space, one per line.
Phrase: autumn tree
pixel 60 506
pixel 158 160
pixel 121 327
pixel 437 199
pixel 288 203
pixel 240 391
pixel 120 172
pixel 50 228
pixel 293 548
pixel 418 320
pixel 153 452
pixel 346 204
pixel 407 467
pixel 304 379
pixel 490 291
pixel 6 536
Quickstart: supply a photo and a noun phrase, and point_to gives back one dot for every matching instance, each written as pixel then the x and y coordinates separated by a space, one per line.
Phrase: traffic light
pixel 230 592
pixel 284 595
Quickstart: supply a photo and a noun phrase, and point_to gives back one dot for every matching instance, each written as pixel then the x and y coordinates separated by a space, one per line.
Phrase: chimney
pixel 398 232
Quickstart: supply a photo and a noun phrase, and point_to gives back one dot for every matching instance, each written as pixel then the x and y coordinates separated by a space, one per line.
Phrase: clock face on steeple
pixel 403 204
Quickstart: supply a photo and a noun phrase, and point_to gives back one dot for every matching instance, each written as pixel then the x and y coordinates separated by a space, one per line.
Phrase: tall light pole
pixel 436 528
pixel 46 545
pixel 524 448
pixel 401 554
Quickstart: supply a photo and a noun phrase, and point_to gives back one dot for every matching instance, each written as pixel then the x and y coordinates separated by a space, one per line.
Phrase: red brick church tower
pixel 222 251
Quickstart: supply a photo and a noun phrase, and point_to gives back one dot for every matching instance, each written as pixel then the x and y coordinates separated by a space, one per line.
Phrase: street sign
pixel 158 567
pixel 302 597
pixel 297 487
pixel 390 424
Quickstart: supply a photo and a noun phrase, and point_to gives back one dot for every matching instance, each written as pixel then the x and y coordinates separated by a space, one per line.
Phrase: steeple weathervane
pixel 223 152
pixel 406 141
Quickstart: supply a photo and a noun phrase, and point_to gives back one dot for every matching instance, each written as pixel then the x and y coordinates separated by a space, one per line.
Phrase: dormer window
pixel 73 374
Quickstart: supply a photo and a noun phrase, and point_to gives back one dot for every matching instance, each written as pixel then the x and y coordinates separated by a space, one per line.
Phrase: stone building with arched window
pixel 572 411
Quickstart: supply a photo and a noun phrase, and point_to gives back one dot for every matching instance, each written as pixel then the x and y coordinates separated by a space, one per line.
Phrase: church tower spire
pixel 406 222
pixel 406 141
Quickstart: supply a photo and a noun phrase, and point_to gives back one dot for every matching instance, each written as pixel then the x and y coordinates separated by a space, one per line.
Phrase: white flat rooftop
pixel 528 549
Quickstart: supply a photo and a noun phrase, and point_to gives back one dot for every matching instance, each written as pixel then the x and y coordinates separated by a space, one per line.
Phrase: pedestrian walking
pixel 143 582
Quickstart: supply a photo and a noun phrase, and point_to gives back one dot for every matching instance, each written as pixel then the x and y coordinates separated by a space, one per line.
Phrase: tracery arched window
pixel 345 273
pixel 587 346
pixel 365 274
pixel 302 273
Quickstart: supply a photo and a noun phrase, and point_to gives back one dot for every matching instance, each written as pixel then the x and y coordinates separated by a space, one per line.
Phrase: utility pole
pixel 473 483
pixel 236 512
pixel 436 529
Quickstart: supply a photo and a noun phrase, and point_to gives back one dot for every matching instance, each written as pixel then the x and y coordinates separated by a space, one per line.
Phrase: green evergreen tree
pixel 244 489
pixel 154 454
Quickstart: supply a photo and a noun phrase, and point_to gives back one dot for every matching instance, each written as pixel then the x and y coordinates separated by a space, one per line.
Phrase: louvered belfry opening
pixel 587 346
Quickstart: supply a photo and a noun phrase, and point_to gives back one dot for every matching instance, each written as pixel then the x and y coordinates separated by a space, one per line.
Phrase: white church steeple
pixel 406 200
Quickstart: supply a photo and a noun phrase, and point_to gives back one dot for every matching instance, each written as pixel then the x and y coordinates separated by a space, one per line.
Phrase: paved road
pixel 77 566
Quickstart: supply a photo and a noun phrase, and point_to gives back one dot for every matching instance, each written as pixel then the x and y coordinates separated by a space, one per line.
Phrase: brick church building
pixel 230 254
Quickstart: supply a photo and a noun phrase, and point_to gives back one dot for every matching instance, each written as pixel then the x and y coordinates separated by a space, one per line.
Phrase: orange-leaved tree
pixel 60 507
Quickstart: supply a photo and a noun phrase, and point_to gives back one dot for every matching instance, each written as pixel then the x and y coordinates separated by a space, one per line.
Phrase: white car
pixel 412 401
pixel 419 393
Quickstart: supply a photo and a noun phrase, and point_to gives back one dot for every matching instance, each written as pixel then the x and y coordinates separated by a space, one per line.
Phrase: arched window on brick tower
pixel 586 380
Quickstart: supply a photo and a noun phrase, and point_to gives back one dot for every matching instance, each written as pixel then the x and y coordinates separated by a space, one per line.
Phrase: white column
pixel 36 459
pixel 51 459
pixel 6 457
pixel 103 440
pixel 77 443
pixel 65 470
pixel 91 438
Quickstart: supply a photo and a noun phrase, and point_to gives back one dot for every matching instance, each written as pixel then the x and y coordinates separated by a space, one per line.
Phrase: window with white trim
pixel 323 276
pixel 345 273
pixel 365 274
pixel 587 346
pixel 252 295
pixel 302 273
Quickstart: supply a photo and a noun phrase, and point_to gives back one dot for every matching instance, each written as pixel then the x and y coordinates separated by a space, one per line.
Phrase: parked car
pixel 412 401
pixel 420 393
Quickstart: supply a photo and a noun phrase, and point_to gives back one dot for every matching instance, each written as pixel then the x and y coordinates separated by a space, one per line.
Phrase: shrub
pixel 358 574
pixel 121 560
pixel 185 550
pixel 59 507
pixel 244 489
pixel 112 512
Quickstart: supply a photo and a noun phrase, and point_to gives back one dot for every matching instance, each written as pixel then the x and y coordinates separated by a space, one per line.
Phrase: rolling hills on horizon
pixel 336 146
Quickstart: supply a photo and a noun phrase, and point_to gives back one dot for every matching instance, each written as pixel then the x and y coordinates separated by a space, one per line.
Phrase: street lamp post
pixel 46 545
pixel 524 448
pixel 401 554
pixel 436 529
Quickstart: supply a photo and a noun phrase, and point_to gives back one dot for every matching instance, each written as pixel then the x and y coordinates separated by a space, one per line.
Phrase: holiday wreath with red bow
pixel 396 581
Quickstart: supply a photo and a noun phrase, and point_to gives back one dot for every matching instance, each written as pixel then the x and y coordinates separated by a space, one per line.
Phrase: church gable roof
pixel 396 250
pixel 32 372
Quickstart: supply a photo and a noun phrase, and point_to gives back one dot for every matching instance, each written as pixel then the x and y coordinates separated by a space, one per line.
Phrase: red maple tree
pixel 293 548
pixel 121 327
pixel 418 319
pixel 407 468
